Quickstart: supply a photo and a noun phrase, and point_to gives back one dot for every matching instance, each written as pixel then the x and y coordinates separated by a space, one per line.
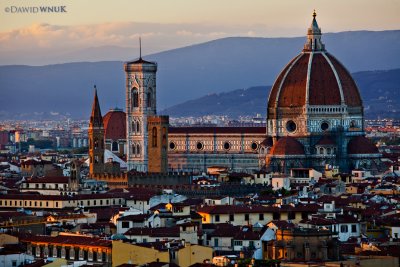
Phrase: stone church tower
pixel 96 138
pixel 158 143
pixel 140 105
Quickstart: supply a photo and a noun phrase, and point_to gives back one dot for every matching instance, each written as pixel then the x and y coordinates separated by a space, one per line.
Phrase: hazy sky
pixel 166 24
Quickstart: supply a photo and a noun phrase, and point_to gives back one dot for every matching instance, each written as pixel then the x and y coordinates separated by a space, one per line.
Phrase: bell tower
pixel 96 138
pixel 140 104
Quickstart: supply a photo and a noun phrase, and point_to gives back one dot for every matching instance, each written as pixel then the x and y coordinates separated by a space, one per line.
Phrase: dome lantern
pixel 314 34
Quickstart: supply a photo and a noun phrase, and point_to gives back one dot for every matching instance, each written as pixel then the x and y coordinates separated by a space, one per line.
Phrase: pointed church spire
pixel 314 34
pixel 96 120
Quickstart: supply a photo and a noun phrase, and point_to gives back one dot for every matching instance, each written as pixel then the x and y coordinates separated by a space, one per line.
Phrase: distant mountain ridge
pixel 380 91
pixel 183 74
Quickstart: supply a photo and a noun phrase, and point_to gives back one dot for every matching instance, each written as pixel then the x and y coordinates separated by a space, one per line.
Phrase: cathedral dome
pixel 115 124
pixel 314 77
pixel 287 146
pixel 314 93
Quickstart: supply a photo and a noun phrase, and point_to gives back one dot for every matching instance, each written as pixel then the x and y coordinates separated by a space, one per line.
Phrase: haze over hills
pixel 183 74
pixel 380 91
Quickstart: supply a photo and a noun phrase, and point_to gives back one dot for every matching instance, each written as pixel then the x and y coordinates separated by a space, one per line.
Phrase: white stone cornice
pixel 308 78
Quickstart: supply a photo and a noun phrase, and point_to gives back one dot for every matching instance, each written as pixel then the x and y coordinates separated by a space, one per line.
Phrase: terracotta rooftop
pixel 51 180
pixel 67 240
pixel 216 130
pixel 267 142
pixel 287 146
pixel 361 145
pixel 115 124
pixel 282 224
pixel 231 209
pixel 326 75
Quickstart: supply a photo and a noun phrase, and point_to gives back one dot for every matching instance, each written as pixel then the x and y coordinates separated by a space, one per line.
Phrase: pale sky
pixel 167 24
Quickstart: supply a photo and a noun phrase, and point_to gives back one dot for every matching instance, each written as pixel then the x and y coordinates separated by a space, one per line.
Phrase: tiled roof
pixel 282 224
pixel 51 180
pixel 68 240
pixel 216 130
pixel 232 209
pixel 361 145
pixel 35 162
pixel 115 125
pixel 287 146
pixel 325 76
pixel 350 91
pixel 293 90
pixel 267 142
pixel 324 89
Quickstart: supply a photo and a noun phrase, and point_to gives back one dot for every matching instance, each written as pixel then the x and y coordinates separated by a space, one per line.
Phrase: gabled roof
pixel 216 130
pixel 287 146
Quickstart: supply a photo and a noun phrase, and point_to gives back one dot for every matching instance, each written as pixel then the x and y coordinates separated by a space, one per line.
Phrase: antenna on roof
pixel 140 47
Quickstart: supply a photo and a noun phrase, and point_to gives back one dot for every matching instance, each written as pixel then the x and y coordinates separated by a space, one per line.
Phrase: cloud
pixel 44 43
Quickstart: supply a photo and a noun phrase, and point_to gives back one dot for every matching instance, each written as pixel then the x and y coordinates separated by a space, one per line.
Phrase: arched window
pixel 328 151
pixel 164 136
pixel 154 137
pixel 321 151
pixel 138 149
pixel 149 98
pixel 134 149
pixel 133 126
pixel 135 98
pixel 114 146
pixel 138 127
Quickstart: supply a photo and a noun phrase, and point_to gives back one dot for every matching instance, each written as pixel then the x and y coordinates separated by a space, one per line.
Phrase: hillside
pixel 380 91
pixel 34 92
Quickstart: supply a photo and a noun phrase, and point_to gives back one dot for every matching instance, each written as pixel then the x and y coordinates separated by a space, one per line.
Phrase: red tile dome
pixel 287 146
pixel 314 77
pixel 361 145
pixel 115 124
